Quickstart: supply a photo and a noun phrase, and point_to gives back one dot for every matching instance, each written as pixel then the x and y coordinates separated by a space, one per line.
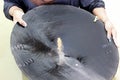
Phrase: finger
pixel 20 21
pixel 23 23
pixel 109 33
pixel 109 30
pixel 114 33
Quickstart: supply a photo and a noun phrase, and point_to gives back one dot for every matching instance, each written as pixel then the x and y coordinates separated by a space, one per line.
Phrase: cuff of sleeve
pixel 7 6
pixel 96 4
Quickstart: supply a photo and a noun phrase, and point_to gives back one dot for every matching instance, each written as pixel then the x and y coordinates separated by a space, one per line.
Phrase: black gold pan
pixel 63 42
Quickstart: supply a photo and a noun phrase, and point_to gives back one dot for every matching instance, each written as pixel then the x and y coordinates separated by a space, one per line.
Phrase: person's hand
pixel 111 31
pixel 17 17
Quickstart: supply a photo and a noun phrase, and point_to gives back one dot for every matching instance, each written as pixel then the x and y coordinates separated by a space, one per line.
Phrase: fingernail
pixel 96 18
pixel 25 25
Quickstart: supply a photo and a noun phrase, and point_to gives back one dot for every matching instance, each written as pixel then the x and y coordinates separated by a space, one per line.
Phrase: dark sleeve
pixel 89 5
pixel 7 5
